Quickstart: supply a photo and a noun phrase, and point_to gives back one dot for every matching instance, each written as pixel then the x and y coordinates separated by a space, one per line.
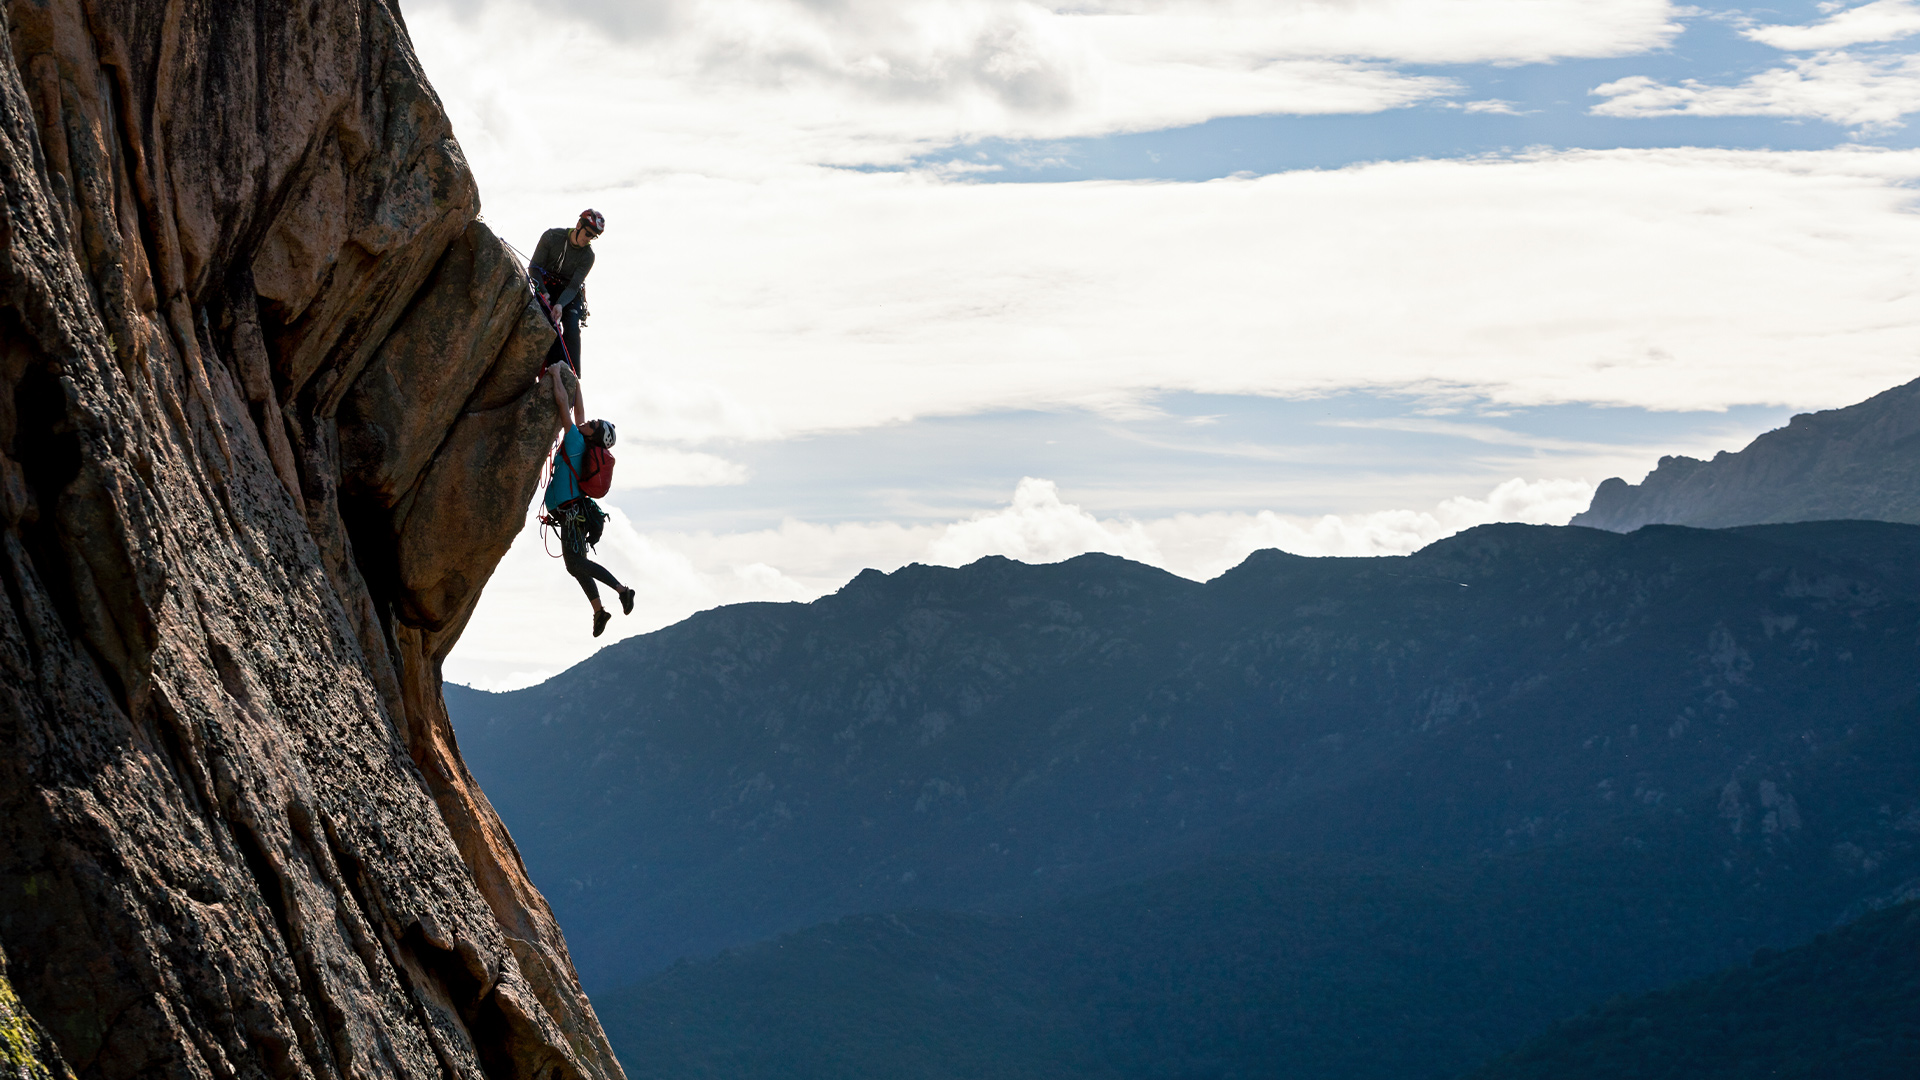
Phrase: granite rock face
pixel 1858 463
pixel 270 421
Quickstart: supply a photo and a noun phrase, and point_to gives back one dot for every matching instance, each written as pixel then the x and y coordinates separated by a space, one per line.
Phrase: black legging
pixel 570 323
pixel 574 549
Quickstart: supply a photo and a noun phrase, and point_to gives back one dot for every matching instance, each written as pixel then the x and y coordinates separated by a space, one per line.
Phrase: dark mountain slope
pixel 1000 736
pixel 1845 1006
pixel 1861 462
pixel 1274 967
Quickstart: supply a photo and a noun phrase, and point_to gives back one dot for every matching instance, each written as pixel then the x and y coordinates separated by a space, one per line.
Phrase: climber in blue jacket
pixel 578 517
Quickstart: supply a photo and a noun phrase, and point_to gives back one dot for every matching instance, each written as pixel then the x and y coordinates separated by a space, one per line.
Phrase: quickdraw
pixel 569 514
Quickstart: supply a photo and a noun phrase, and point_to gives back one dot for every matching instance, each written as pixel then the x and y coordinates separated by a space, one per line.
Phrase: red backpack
pixel 596 471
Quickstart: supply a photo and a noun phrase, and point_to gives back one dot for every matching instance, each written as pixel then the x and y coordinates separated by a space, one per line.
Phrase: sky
pixel 893 281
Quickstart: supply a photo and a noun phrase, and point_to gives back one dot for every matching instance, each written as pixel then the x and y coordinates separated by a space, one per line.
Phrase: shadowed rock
pixel 26 1051
pixel 271 421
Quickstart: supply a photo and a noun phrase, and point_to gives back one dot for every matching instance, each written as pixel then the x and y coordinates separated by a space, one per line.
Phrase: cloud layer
pixel 1681 279
pixel 1870 91
pixel 743 87
pixel 1879 21
pixel 746 293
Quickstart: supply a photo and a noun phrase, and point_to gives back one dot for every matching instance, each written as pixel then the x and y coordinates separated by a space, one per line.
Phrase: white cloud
pixel 1483 433
pixel 1038 527
pixel 533 622
pixel 1204 545
pixel 665 406
pixel 1670 279
pixel 1870 92
pixel 547 98
pixel 874 37
pixel 1403 31
pixel 1881 20
pixel 645 466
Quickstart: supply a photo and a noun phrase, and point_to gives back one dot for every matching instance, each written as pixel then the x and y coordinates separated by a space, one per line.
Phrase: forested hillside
pixel 1001 737
pixel 1845 1006
pixel 1279 967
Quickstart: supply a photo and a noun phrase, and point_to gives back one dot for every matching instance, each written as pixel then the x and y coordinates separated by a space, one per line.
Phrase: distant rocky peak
pixel 1857 463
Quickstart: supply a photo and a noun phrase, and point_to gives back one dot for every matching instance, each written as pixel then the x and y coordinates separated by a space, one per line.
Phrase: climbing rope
pixel 546 308
pixel 546 520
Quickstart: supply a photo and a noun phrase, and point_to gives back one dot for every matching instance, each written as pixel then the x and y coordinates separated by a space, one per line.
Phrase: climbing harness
pixel 578 523
pixel 579 517
pixel 559 333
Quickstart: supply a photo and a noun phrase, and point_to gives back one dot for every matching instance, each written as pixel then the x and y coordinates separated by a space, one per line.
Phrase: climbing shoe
pixel 600 620
pixel 626 601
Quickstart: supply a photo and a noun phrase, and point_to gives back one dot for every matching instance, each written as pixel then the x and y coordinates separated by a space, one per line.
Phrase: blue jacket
pixel 564 483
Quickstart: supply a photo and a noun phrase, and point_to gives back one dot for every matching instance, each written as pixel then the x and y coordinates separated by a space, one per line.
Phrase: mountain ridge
pixel 992 737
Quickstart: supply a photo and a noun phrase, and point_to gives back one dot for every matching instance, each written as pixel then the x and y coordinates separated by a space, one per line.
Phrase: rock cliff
pixel 1857 463
pixel 26 1050
pixel 271 420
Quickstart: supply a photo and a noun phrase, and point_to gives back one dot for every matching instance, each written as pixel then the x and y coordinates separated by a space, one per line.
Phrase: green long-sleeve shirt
pixel 566 266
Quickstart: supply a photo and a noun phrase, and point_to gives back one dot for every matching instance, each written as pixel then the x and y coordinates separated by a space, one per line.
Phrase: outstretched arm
pixel 566 384
pixel 570 414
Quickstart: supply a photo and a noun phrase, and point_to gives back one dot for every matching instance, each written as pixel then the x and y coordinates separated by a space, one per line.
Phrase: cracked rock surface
pixel 270 420
pixel 26 1051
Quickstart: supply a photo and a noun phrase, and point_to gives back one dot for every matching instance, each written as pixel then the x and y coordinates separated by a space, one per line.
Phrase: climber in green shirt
pixel 559 269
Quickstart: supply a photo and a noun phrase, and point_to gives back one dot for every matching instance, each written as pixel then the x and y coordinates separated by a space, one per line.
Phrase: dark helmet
pixel 594 221
pixel 603 434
